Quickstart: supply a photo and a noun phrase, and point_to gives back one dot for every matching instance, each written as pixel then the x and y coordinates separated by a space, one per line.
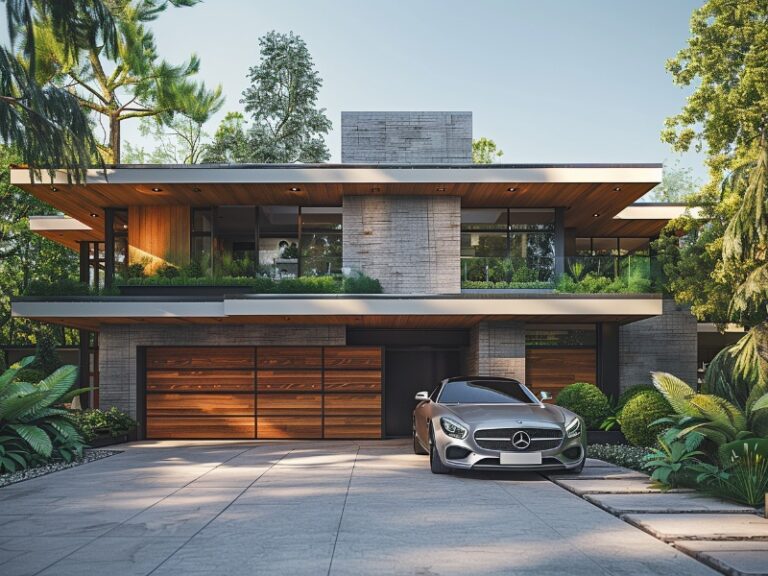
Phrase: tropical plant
pixel 715 418
pixel 130 82
pixel 586 400
pixel 640 417
pixel 33 423
pixel 671 463
pixel 743 478
pixel 287 126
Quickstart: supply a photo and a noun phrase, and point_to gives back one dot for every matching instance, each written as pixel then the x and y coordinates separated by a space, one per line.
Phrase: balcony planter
pixel 202 291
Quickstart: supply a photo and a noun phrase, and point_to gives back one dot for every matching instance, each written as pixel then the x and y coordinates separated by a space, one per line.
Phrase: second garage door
pixel 263 392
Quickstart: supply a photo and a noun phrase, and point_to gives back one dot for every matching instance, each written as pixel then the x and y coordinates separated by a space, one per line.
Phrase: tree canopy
pixel 286 125
pixel 484 151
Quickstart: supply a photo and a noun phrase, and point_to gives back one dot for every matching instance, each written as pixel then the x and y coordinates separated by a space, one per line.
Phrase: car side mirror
pixel 422 396
pixel 544 395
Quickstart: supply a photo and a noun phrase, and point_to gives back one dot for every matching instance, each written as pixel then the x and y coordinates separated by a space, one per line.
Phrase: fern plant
pixel 33 423
pixel 715 418
pixel 671 462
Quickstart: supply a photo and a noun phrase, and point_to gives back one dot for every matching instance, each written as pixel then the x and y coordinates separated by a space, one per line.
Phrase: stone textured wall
pixel 117 349
pixel 666 343
pixel 406 137
pixel 411 244
pixel 497 349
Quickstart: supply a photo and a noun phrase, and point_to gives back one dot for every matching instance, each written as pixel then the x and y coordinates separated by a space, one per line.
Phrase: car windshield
pixel 484 392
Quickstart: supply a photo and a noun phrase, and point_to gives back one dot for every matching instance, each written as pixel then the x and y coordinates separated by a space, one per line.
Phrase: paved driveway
pixel 309 508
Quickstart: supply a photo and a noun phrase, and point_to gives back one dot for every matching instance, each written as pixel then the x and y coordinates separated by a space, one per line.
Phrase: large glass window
pixel 561 336
pixel 321 241
pixel 120 235
pixel 234 241
pixel 507 245
pixel 279 241
pixel 201 241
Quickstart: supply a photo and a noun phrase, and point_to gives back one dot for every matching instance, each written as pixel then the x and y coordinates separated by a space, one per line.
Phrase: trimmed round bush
pixel 631 392
pixel 586 400
pixel 638 414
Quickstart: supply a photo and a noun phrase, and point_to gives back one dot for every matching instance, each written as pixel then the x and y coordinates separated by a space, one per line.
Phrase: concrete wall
pixel 666 343
pixel 117 349
pixel 411 244
pixel 497 349
pixel 406 137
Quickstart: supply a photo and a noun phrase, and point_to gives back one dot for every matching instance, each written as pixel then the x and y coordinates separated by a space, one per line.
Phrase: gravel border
pixel 88 456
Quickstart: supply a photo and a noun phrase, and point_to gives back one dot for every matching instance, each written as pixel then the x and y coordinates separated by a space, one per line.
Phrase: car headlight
pixel 573 430
pixel 453 428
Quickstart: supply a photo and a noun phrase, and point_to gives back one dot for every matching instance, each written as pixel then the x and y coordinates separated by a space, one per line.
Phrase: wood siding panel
pixel 352 427
pixel 158 234
pixel 289 405
pixel 552 369
pixel 200 381
pixel 275 357
pixel 289 427
pixel 352 381
pixel 290 380
pixel 200 405
pixel 346 357
pixel 201 428
pixel 352 404
pixel 201 358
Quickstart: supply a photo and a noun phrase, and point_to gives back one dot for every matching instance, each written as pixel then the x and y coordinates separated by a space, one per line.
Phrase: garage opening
pixel 267 392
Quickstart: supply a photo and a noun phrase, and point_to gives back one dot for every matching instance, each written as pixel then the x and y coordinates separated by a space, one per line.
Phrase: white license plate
pixel 520 458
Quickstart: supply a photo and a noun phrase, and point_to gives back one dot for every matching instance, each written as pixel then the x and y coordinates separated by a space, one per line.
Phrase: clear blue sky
pixel 548 80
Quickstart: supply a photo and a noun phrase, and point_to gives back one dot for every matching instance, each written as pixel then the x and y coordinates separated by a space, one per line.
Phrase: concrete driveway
pixel 315 508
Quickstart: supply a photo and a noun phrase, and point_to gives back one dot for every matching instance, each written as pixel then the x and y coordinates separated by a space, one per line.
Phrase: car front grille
pixel 501 439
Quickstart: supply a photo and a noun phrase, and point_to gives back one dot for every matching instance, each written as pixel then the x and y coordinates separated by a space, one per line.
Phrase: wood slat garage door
pixel 264 392
pixel 552 369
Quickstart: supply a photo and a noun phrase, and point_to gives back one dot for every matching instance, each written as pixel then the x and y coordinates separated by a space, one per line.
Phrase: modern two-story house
pixel 471 260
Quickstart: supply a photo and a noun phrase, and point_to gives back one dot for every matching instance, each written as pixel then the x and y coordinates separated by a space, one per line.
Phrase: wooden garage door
pixel 552 369
pixel 264 392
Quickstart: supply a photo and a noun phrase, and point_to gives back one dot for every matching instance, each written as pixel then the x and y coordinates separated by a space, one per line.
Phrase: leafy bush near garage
pixel 94 423
pixel 620 454
pixel 35 426
pixel 639 415
pixel 586 400
pixel 630 393
pixel 361 284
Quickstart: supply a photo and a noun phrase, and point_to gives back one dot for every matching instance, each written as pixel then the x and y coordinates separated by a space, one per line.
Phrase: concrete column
pixel 497 349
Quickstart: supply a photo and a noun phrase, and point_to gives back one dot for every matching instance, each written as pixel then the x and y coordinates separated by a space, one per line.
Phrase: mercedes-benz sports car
pixel 482 423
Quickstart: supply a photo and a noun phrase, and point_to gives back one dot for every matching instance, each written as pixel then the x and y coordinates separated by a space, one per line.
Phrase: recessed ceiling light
pixel 125 226
pixel 157 189
pixel 511 189
pixel 94 215
pixel 195 189
pixel 54 189
pixel 375 189
pixel 617 189
pixel 295 189
pixel 441 189
pixel 596 215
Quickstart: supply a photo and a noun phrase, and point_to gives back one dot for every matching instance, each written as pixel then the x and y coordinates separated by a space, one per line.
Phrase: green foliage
pixel 94 423
pixel 718 420
pixel 592 283
pixel 673 461
pixel 478 285
pixel 361 284
pixel 3 362
pixel 286 124
pixel 46 358
pixel 30 375
pixel 677 185
pixel 65 287
pixel 34 425
pixel 639 416
pixel 179 140
pixel 736 370
pixel 620 454
pixel 743 478
pixel 630 393
pixel 484 151
pixel 586 400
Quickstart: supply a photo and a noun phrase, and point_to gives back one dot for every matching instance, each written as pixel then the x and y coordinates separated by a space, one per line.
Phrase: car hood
pixel 509 415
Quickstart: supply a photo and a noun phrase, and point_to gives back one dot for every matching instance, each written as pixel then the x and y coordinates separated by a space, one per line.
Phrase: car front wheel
pixel 435 464
pixel 417 447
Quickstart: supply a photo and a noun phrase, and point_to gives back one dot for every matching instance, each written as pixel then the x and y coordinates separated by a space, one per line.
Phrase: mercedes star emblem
pixel 521 440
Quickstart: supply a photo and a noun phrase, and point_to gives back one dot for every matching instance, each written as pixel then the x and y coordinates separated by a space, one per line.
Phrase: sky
pixel 551 81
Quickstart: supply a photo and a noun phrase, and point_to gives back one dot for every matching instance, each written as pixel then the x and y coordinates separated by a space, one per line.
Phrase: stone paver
pixel 733 558
pixel 310 508
pixel 664 502
pixel 610 486
pixel 601 473
pixel 670 527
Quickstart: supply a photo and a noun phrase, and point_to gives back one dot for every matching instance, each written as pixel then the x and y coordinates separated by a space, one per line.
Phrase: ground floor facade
pixel 312 381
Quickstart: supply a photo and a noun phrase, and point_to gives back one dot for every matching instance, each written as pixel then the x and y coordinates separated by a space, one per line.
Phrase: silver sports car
pixel 482 423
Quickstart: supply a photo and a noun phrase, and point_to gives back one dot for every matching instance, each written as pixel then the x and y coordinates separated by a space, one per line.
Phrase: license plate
pixel 519 458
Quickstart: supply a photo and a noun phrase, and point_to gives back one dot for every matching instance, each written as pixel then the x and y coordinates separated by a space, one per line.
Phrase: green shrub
pixel 361 284
pixel 135 270
pixel 112 423
pixel 620 454
pixel 630 393
pixel 480 285
pixel 586 400
pixel 167 270
pixel 31 375
pixel 3 362
pixel 46 358
pixel 743 479
pixel 61 287
pixel 307 285
pixel 591 283
pixel 639 413
pixel 34 426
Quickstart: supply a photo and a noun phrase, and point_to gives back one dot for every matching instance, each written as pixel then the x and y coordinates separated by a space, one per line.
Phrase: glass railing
pixel 482 272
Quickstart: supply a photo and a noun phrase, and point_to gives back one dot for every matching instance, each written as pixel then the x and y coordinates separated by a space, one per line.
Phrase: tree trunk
pixel 114 139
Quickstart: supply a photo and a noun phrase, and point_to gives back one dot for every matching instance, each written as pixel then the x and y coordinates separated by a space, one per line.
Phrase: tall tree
pixel 677 185
pixel 41 120
pixel 727 115
pixel 286 125
pixel 484 151
pixel 132 83
pixel 179 140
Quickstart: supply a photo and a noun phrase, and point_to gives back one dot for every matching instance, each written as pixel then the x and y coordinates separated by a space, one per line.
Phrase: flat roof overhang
pixel 385 311
pixel 583 189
